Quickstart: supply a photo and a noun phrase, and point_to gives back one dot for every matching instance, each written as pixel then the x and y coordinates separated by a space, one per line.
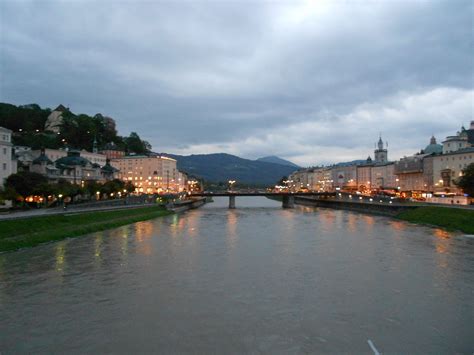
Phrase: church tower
pixel 381 155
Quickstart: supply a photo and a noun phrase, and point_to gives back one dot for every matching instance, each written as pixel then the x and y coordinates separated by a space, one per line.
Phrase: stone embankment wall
pixel 381 208
pixel 181 206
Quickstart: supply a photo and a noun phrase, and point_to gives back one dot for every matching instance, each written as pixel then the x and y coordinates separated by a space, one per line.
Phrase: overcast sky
pixel 310 81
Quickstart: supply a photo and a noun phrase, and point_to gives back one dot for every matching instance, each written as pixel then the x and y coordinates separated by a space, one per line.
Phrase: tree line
pixel 76 131
pixel 24 184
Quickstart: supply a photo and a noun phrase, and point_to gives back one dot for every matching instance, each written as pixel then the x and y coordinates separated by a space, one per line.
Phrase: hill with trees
pixel 76 131
pixel 223 167
pixel 277 160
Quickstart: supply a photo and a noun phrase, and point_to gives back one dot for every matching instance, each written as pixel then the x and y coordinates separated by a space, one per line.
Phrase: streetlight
pixel 231 183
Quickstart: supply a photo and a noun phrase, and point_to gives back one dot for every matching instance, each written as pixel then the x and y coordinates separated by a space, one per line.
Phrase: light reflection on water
pixel 254 279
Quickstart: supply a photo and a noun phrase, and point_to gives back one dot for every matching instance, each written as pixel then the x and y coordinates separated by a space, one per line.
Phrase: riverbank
pixel 444 217
pixel 21 233
pixel 449 218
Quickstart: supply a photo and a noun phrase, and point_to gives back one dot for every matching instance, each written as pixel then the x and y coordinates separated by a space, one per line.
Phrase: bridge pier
pixel 288 201
pixel 231 202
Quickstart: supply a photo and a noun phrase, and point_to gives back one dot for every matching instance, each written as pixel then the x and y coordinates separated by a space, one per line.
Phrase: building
pixel 182 181
pixel 381 154
pixel 298 180
pixel 364 176
pixel 448 167
pixel 383 177
pixel 7 163
pixel 457 154
pixel 433 147
pixel 72 167
pixel 415 173
pixel 470 134
pixel 344 177
pixel 457 142
pixel 112 151
pixel 322 180
pixel 410 174
pixel 55 154
pixel 149 174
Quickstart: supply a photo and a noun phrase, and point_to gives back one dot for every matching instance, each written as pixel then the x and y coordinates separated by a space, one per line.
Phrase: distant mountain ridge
pixel 222 167
pixel 277 160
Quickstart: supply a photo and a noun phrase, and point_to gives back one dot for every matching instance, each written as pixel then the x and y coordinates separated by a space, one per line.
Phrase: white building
pixel 447 168
pixel 7 164
pixel 457 142
pixel 149 174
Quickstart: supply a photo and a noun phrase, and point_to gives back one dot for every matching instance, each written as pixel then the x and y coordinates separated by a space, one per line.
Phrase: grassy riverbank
pixel 448 218
pixel 21 233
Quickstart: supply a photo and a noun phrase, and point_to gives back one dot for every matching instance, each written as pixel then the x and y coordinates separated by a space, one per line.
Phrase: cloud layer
pixel 312 81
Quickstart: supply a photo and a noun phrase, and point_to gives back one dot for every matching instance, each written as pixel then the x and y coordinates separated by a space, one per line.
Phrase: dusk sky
pixel 310 81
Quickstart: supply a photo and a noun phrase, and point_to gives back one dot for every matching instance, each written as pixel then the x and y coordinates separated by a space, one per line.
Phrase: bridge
pixel 288 198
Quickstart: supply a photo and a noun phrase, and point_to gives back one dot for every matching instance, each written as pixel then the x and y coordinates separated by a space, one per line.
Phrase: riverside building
pixel 7 163
pixel 150 174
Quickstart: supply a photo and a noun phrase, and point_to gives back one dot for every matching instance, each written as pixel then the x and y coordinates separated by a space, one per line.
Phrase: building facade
pixel 344 177
pixel 149 174
pixel 112 151
pixel 73 168
pixel 447 168
pixel 380 154
pixel 7 163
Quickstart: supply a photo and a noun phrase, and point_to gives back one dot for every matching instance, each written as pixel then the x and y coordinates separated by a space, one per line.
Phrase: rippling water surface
pixel 258 279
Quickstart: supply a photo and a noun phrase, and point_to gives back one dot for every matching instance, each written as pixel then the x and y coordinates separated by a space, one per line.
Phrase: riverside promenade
pixel 111 205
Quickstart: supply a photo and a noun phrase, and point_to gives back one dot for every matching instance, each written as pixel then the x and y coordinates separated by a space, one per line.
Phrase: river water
pixel 258 279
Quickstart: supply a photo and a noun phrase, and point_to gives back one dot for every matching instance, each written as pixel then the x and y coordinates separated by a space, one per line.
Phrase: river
pixel 257 279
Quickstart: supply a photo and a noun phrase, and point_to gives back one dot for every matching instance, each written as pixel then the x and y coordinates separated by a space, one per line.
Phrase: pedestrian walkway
pixel 60 210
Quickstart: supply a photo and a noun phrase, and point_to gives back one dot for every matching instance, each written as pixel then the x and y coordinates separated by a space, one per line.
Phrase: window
pixel 5 151
pixel 4 166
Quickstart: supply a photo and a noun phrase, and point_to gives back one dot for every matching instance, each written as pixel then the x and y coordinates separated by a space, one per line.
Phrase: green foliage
pixel 113 186
pixel 28 118
pixel 129 186
pixel 8 193
pixel 135 145
pixel 466 182
pixel 15 234
pixel 26 183
pixel 445 217
pixel 76 131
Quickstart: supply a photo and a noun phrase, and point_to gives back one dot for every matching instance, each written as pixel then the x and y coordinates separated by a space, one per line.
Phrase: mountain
pixel 277 160
pixel 223 167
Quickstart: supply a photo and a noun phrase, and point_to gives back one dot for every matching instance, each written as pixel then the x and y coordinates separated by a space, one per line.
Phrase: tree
pixel 466 181
pixel 9 194
pixel 129 187
pixel 136 145
pixel 26 183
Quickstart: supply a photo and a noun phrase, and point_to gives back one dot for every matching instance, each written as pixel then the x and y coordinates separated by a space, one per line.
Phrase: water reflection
pixel 255 279
pixel 397 225
pixel 231 228
pixel 60 256
pixel 98 241
pixel 440 233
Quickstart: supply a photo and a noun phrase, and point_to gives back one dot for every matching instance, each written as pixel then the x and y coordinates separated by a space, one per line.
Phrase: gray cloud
pixel 311 80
